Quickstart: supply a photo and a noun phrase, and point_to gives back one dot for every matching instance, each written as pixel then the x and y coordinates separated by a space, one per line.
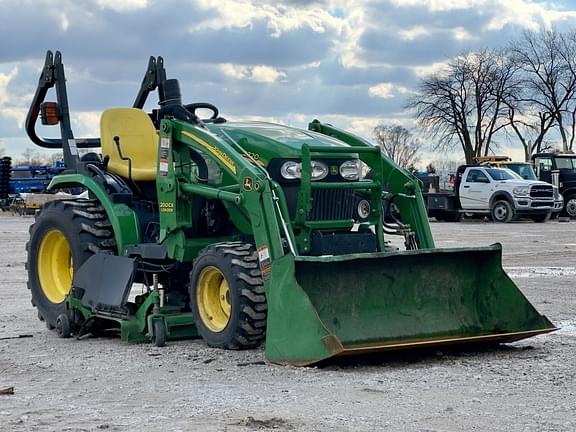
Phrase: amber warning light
pixel 49 113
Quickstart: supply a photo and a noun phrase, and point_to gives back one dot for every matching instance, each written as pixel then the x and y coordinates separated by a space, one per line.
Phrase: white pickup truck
pixel 495 192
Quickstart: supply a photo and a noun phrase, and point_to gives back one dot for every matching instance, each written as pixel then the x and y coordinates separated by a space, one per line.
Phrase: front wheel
pixel 570 206
pixel 502 211
pixel 541 218
pixel 227 296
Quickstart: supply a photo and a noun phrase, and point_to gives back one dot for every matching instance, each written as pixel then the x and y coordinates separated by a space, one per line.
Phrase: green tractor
pixel 245 232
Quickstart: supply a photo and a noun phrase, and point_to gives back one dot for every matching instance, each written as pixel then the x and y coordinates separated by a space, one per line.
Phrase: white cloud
pixel 532 16
pixel 425 70
pixel 383 90
pixel 4 80
pixel 258 73
pixel 440 5
pixel 122 5
pixel 86 123
pixel 525 13
pixel 266 74
pixel 414 33
pixel 278 18
pixel 387 90
pixel 18 114
pixel 461 34
pixel 234 71
pixel 64 22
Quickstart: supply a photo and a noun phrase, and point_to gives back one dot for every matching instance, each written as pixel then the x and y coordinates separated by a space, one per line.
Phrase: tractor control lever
pixel 124 158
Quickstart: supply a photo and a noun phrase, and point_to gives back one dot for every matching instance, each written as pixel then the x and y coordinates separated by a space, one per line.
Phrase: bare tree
pixel 29 157
pixel 399 144
pixel 463 104
pixel 546 86
pixel 446 165
pixel 53 157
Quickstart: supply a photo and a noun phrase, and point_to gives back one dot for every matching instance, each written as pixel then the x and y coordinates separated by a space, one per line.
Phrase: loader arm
pixel 403 187
pixel 251 191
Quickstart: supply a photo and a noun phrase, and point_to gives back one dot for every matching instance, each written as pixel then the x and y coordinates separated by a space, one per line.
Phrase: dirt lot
pixel 104 384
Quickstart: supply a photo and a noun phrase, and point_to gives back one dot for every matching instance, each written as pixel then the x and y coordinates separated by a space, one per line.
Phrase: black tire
pixel 453 217
pixel 449 217
pixel 541 218
pixel 159 333
pixel 80 224
pixel 63 329
pixel 570 206
pixel 243 324
pixel 502 211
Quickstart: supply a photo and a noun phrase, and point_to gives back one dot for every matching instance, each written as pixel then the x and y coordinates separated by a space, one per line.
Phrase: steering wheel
pixel 203 105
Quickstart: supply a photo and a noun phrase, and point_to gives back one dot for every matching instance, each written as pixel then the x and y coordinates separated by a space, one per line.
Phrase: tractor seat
pixel 138 141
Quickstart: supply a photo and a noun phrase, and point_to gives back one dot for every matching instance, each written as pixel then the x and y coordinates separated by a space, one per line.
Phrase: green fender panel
pixel 124 221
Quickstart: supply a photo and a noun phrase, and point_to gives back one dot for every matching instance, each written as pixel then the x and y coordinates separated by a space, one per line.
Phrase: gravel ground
pixel 104 384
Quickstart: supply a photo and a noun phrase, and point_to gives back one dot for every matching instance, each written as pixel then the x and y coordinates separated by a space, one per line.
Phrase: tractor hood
pixel 267 141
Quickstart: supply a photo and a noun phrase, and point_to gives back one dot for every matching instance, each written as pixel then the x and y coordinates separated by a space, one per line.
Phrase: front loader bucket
pixel 320 307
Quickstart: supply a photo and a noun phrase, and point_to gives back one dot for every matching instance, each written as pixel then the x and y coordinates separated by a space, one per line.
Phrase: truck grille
pixel 332 204
pixel 542 191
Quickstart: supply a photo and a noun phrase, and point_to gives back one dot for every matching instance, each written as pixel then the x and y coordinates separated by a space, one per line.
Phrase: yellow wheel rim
pixel 55 268
pixel 213 299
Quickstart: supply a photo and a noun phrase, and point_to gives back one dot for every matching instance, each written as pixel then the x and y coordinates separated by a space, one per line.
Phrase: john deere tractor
pixel 244 232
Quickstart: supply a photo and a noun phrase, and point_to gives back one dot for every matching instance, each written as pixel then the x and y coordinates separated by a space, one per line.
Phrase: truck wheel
pixel 502 211
pixel 63 236
pixel 570 206
pixel 542 217
pixel 227 296
pixel 453 217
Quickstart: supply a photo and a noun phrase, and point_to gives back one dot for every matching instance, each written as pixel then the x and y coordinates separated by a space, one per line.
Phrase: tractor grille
pixel 332 204
pixel 542 191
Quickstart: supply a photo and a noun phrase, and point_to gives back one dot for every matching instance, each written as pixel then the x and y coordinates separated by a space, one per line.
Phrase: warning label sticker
pixel 164 156
pixel 264 259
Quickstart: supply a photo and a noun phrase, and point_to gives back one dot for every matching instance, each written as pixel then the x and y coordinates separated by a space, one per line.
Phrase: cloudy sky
pixel 348 62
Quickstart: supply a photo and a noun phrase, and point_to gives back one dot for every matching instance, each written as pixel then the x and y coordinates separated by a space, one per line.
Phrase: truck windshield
pixel 566 163
pixel 525 171
pixel 499 174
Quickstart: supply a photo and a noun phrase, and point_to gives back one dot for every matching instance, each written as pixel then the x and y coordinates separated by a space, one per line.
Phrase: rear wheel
pixel 502 211
pixel 63 236
pixel 227 296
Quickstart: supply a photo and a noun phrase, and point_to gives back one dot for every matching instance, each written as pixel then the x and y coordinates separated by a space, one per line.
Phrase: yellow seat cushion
pixel 138 141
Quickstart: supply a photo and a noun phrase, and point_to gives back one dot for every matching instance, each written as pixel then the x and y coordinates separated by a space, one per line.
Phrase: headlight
pixel 350 170
pixel 319 170
pixel 520 191
pixel 291 170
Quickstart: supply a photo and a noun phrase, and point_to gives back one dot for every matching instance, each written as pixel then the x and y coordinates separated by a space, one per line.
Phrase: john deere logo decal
pixel 333 170
pixel 247 183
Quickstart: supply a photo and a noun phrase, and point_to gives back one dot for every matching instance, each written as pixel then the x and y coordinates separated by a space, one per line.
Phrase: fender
pixel 123 219
pixel 500 193
pixel 569 191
